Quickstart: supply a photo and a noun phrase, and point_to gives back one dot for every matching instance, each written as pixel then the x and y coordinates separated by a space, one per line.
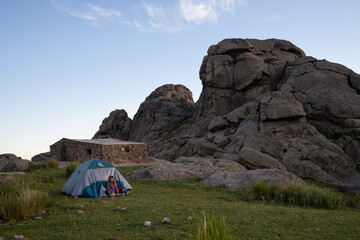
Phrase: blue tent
pixel 91 177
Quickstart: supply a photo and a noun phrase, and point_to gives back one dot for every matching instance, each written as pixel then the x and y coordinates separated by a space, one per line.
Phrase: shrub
pixel 70 168
pixel 51 178
pixel 33 166
pixel 213 228
pixel 261 191
pixel 20 198
pixel 53 163
pixel 307 196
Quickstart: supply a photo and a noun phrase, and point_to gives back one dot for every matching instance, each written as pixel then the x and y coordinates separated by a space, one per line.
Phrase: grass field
pixel 152 200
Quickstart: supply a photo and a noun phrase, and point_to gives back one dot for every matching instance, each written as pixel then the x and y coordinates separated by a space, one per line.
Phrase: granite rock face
pixel 237 180
pixel 265 105
pixel 12 163
pixel 187 167
pixel 116 125
pixel 41 157
pixel 163 110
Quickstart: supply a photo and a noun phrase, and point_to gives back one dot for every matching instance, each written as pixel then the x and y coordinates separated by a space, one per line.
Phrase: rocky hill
pixel 264 104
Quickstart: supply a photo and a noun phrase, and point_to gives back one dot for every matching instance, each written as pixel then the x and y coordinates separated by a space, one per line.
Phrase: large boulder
pixel 11 163
pixel 163 112
pixel 241 70
pixel 287 138
pixel 192 167
pixel 41 157
pixel 238 180
pixel 328 92
pixel 253 159
pixel 116 125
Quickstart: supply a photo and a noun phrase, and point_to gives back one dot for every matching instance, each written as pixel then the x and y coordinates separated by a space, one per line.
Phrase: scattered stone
pixel 166 220
pixel 121 208
pixel 189 218
pixel 147 223
pixel 79 211
pixel 19 237
pixel 37 218
pixel 43 211
pixel 82 206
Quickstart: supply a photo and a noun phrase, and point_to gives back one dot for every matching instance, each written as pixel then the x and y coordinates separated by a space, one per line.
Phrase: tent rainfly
pixel 91 177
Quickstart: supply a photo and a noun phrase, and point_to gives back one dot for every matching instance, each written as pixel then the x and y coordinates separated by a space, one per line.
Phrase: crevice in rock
pixel 351 86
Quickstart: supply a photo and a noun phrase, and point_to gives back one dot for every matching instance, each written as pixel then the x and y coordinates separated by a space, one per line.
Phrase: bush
pixel 20 198
pixel 34 166
pixel 307 196
pixel 70 168
pixel 213 228
pixel 261 191
pixel 53 163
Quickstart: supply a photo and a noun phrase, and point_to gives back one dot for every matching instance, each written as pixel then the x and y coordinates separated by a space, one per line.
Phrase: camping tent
pixel 91 177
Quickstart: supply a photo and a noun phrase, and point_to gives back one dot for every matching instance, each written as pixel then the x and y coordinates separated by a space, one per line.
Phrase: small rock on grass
pixel 121 208
pixel 82 206
pixel 147 223
pixel 37 218
pixel 43 211
pixel 19 237
pixel 166 220
pixel 103 201
pixel 189 218
pixel 79 211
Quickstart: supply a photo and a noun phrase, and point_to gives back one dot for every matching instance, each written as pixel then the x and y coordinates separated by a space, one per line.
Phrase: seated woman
pixel 112 189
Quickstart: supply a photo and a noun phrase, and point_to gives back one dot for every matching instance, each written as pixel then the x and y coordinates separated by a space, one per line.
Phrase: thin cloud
pixel 274 18
pixel 197 12
pixel 170 17
pixel 95 14
pixel 160 18
pixel 185 14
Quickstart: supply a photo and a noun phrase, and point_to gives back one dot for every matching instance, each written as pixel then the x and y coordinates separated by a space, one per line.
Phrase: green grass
pixel 70 168
pixel 152 200
pixel 53 163
pixel 21 197
pixel 270 60
pixel 213 228
pixel 306 196
pixel 31 167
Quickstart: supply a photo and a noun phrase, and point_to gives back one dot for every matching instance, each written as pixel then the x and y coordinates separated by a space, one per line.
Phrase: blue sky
pixel 65 65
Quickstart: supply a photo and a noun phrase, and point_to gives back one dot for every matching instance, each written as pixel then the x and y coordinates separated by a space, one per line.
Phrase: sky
pixel 65 65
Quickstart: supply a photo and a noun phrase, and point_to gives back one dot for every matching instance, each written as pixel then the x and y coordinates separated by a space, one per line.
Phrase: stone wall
pixel 70 150
pixel 126 153
pixel 73 150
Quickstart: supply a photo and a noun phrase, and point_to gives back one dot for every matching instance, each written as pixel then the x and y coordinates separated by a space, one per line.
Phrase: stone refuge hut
pixel 110 150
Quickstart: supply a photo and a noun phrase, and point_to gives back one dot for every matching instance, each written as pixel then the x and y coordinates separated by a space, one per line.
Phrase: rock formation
pixel 236 180
pixel 187 167
pixel 117 125
pixel 264 105
pixel 11 163
pixel 41 157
